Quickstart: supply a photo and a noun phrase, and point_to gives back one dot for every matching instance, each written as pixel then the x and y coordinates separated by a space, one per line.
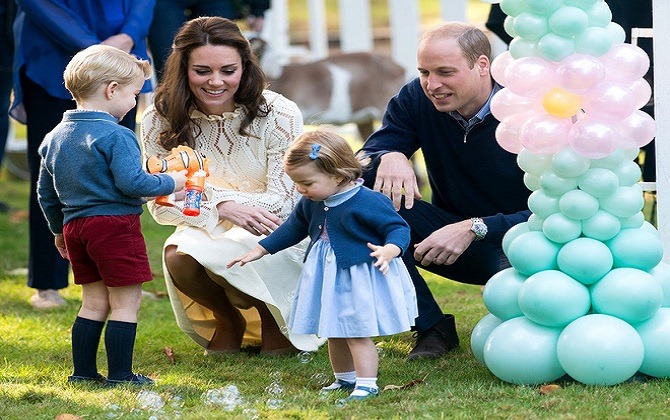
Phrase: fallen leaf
pixel 67 416
pixel 548 389
pixel 169 353
pixel 409 384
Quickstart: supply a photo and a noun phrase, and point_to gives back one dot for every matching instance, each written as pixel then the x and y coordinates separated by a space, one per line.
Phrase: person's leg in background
pixel 6 60
pixel 47 270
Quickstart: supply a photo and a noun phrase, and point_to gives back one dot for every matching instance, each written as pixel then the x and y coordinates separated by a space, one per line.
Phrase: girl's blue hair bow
pixel 315 151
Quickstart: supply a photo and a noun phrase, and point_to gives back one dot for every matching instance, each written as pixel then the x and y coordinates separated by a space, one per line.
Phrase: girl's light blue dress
pixel 356 302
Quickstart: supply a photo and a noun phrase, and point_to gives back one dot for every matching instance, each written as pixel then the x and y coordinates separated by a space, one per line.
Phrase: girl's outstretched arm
pixel 384 255
pixel 252 255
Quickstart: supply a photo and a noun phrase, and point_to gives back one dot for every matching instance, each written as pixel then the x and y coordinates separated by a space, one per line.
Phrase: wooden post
pixel 318 30
pixel 405 24
pixel 355 25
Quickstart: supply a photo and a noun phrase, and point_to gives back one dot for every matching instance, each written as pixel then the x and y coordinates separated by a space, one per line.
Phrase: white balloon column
pixel 587 293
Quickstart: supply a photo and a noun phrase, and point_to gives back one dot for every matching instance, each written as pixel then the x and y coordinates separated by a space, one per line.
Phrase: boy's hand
pixel 384 255
pixel 179 179
pixel 252 255
pixel 60 245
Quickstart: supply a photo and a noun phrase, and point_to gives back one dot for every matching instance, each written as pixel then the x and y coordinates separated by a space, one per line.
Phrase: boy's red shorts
pixel 107 248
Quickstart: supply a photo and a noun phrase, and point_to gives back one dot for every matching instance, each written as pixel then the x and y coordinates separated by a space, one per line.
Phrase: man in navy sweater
pixel 477 188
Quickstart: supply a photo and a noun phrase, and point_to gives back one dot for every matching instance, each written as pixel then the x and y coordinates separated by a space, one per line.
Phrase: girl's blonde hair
pixel 99 65
pixel 331 154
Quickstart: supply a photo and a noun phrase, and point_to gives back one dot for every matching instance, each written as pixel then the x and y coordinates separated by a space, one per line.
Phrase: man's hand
pixel 255 220
pixel 445 245
pixel 394 174
pixel 121 41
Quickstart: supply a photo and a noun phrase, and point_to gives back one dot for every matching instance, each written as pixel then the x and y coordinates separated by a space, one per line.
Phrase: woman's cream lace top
pixel 247 170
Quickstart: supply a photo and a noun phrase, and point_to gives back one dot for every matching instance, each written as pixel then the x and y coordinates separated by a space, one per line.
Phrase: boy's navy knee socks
pixel 120 343
pixel 85 340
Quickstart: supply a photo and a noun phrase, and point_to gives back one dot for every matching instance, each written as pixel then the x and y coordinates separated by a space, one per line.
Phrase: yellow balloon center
pixel 561 103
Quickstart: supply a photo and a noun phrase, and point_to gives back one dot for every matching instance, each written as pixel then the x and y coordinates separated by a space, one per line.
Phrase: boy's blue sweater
pixel 367 216
pixel 92 166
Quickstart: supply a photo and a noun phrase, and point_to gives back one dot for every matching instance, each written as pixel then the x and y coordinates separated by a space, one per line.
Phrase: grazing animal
pixel 340 89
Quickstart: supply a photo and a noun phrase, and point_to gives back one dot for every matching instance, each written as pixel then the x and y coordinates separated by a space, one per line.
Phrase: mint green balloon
pixel 599 15
pixel 568 163
pixel 599 182
pixel 616 33
pixel 501 292
pixel 542 204
pixel 627 293
pixel 623 202
pixel 535 223
pixel 599 349
pixel 636 248
pixel 661 273
pixel 480 333
pixel 508 25
pixel 554 47
pixel 593 41
pixel 530 26
pixel 578 204
pixel 601 226
pixel 513 7
pixel 531 182
pixel 631 153
pixel 554 299
pixel 520 47
pixel 520 351
pixel 582 4
pixel 633 222
pixel 610 161
pixel 569 21
pixel 554 184
pixel 628 172
pixel 543 7
pixel 586 260
pixel 655 334
pixel 561 229
pixel 533 163
pixel 512 233
pixel 532 252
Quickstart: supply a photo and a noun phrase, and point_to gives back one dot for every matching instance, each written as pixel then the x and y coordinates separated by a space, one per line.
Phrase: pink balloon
pixel 499 65
pixel 580 72
pixel 504 104
pixel 642 91
pixel 593 138
pixel 545 134
pixel 530 76
pixel 625 63
pixel 636 130
pixel 610 101
pixel 507 132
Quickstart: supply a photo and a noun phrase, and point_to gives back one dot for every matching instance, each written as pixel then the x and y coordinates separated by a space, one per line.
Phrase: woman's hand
pixel 254 220
pixel 384 255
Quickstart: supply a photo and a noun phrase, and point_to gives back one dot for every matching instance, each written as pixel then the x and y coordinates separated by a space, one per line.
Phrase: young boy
pixel 90 189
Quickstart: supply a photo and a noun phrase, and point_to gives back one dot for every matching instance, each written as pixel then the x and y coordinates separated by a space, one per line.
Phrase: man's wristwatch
pixel 478 228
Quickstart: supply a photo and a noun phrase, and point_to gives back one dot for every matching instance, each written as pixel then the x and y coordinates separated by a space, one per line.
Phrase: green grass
pixel 35 360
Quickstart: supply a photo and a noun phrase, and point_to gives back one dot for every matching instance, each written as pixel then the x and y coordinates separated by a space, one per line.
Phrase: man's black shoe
pixel 436 341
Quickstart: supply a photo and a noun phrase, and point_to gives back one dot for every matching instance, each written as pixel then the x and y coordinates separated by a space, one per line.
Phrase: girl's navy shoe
pixel 339 384
pixel 367 392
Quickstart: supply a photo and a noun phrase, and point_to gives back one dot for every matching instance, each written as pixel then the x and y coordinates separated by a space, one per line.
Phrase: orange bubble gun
pixel 197 167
